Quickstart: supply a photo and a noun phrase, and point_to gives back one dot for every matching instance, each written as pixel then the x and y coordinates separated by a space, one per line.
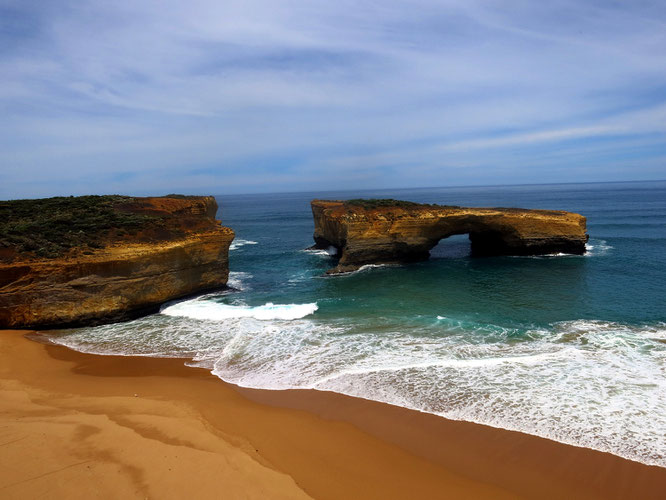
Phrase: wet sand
pixel 75 425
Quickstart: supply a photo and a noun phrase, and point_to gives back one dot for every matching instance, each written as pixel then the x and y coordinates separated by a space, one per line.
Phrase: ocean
pixel 571 348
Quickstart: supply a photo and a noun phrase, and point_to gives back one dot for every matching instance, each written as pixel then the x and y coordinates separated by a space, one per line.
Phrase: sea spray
pixel 239 280
pixel 236 244
pixel 214 311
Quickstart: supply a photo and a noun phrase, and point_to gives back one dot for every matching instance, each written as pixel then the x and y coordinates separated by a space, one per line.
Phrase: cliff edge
pixel 97 259
pixel 392 231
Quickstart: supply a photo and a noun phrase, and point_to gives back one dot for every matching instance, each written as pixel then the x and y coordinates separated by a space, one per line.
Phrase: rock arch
pixel 391 231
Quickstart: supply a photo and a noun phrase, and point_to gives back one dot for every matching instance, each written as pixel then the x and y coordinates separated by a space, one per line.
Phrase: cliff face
pixel 389 231
pixel 152 250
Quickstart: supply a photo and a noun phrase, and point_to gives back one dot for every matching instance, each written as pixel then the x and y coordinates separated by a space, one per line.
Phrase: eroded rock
pixel 389 231
pixel 151 251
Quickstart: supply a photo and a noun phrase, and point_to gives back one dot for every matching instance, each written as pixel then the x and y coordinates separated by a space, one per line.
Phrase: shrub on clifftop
pixel 49 227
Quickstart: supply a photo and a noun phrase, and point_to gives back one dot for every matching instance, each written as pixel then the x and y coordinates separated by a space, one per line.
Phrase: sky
pixel 217 97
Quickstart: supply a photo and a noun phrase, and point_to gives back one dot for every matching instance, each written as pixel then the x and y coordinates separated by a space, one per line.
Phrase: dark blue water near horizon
pixel 572 348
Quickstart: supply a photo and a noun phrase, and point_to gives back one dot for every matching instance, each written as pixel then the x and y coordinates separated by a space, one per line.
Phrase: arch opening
pixel 456 246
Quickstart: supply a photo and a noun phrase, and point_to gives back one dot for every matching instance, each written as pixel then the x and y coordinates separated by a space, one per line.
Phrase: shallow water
pixel 567 347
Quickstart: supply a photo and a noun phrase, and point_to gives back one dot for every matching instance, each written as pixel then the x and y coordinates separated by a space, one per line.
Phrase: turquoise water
pixel 567 347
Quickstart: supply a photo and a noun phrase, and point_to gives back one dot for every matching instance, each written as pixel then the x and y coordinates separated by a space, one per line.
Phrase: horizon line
pixel 360 190
pixel 442 187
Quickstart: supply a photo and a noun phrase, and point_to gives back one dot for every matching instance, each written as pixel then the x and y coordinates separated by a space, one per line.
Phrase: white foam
pixel 322 252
pixel 598 384
pixel 600 247
pixel 365 268
pixel 214 311
pixel 447 363
pixel 237 280
pixel 300 277
pixel 588 383
pixel 596 249
pixel 547 255
pixel 236 244
pixel 371 266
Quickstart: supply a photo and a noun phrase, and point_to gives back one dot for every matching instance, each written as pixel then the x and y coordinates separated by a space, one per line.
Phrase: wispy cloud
pixel 265 95
pixel 532 138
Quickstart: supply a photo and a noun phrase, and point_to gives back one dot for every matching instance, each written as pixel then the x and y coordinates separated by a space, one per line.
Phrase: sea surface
pixel 571 348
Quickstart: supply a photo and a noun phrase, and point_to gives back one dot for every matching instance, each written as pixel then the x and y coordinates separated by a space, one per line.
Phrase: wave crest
pixel 214 311
pixel 241 243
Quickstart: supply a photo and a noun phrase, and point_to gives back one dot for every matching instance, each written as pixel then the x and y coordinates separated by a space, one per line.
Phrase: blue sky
pixel 149 97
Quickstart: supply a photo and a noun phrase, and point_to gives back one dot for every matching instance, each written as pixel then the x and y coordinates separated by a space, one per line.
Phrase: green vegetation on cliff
pixel 380 203
pixel 49 227
pixel 371 203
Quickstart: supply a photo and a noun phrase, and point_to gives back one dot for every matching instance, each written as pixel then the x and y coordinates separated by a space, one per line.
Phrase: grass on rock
pixel 49 227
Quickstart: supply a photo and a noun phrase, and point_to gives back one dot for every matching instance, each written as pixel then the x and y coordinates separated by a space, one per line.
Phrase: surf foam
pixel 591 383
pixel 236 244
pixel 595 248
pixel 238 279
pixel 322 252
pixel 215 311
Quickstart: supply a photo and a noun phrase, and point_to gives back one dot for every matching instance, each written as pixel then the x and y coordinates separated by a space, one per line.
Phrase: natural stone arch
pixel 390 231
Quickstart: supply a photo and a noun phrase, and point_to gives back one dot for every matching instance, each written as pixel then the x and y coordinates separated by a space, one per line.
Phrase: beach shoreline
pixel 88 426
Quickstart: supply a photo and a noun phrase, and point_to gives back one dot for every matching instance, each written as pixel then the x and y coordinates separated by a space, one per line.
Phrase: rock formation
pixel 390 231
pixel 99 259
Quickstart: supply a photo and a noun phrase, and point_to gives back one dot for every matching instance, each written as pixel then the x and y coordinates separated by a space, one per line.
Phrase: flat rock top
pixel 65 227
pixel 388 208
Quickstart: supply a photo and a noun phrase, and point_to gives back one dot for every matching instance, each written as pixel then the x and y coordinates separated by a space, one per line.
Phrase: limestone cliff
pixel 390 231
pixel 91 260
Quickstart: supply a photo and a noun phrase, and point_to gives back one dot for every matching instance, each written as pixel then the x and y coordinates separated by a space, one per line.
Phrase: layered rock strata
pixel 389 231
pixel 174 248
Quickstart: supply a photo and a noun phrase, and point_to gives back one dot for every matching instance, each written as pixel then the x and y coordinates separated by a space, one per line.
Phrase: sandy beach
pixel 75 425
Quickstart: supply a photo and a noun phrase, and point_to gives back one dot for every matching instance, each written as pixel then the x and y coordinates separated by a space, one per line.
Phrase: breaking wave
pixel 597 248
pixel 238 280
pixel 597 384
pixel 236 244
pixel 322 252
pixel 215 311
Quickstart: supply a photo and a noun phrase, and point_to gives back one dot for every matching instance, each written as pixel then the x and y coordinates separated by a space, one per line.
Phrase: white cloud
pixel 446 87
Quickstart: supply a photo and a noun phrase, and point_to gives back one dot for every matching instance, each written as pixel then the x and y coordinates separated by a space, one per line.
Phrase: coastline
pixel 87 426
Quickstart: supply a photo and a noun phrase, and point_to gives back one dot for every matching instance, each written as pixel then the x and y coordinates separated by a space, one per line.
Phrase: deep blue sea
pixel 572 348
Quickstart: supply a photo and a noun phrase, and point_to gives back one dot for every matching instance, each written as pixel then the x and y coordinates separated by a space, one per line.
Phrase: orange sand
pixel 75 425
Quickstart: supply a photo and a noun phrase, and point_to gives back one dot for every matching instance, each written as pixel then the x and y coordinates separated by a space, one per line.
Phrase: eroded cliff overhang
pixel 390 231
pixel 91 260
